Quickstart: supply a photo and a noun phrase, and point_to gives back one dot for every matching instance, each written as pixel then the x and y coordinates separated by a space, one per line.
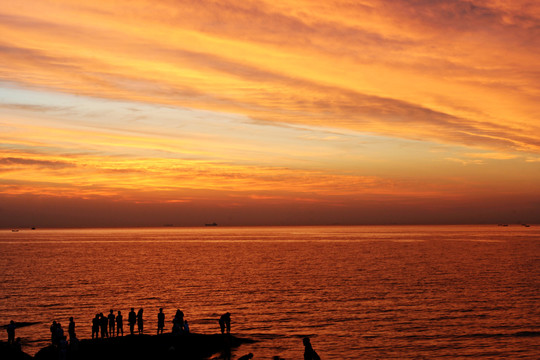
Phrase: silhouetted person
pixel 309 353
pixel 103 324
pixel 53 327
pixel 111 319
pixel 140 321
pixel 95 326
pixel 71 329
pixel 119 323
pixel 178 322
pixel 59 333
pixel 225 323
pixel 11 332
pixel 246 357
pixel 160 321
pixel 132 319
pixel 186 327
pixel 222 324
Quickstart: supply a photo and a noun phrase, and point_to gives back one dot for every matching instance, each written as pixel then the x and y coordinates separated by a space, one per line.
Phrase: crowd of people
pixel 113 325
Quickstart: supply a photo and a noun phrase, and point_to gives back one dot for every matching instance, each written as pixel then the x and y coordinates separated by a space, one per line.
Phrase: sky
pixel 154 112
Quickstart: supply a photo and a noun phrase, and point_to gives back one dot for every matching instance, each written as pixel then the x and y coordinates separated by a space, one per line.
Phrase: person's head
pixel 132 309
pixel 160 309
pixel 111 311
pixel 12 322
pixel 306 341
pixel 71 318
pixel 119 312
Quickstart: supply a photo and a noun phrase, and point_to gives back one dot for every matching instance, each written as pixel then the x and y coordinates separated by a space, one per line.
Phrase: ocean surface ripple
pixel 365 292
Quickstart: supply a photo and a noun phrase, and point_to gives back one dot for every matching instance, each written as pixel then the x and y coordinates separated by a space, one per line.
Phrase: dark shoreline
pixel 190 346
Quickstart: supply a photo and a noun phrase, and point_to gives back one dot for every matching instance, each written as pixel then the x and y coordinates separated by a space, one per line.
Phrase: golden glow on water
pixel 359 292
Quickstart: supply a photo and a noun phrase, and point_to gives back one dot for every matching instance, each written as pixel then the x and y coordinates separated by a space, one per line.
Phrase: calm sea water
pixel 395 292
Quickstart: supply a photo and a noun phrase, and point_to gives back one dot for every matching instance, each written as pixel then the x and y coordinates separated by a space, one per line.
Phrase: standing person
pixel 103 323
pixel 132 319
pixel 71 329
pixel 11 332
pixel 160 321
pixel 95 326
pixel 186 327
pixel 59 333
pixel 225 323
pixel 309 353
pixel 140 321
pixel 53 332
pixel 222 324
pixel 178 322
pixel 119 323
pixel 111 319
pixel 228 322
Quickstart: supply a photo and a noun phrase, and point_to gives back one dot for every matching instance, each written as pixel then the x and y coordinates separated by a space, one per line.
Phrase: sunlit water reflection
pixel 360 292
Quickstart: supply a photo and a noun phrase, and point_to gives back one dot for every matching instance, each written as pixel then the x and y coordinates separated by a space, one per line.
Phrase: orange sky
pixel 127 113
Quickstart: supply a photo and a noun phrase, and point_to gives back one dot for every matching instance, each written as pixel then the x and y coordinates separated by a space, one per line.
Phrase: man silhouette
pixel 95 326
pixel 309 353
pixel 119 324
pixel 111 319
pixel 140 321
pixel 160 321
pixel 71 329
pixel 225 323
pixel 11 332
pixel 132 319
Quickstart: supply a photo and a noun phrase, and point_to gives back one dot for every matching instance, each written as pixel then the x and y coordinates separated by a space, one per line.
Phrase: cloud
pixel 334 65
pixel 12 161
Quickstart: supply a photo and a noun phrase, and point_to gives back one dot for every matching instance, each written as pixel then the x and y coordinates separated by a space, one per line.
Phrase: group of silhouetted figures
pixel 113 325
pixel 107 326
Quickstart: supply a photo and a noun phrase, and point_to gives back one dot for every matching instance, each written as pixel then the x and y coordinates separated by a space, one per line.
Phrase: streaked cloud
pixel 295 63
pixel 291 101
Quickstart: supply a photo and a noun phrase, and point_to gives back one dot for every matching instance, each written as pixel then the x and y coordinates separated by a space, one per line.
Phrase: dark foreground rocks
pixel 144 347
pixel 11 352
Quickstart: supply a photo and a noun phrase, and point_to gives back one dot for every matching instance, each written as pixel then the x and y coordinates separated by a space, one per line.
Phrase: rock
pixel 12 352
pixel 144 347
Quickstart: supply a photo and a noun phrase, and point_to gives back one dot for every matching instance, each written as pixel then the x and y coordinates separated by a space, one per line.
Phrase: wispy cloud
pixel 332 65
pixel 335 102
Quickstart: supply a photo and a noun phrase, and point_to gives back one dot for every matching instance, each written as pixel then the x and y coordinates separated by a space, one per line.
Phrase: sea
pixel 358 292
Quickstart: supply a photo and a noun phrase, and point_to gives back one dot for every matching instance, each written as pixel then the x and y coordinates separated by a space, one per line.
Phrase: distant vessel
pixel 503 225
pixel 14 230
pixel 526 225
pixel 212 224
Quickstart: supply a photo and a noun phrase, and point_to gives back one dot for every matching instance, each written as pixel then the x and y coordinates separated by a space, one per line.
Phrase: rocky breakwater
pixel 142 347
